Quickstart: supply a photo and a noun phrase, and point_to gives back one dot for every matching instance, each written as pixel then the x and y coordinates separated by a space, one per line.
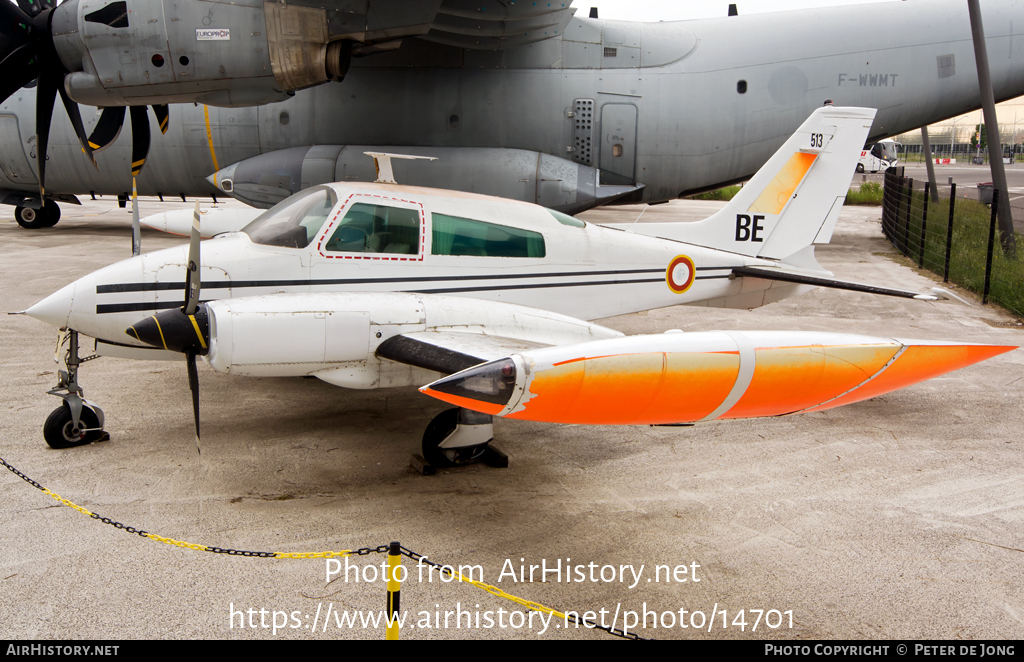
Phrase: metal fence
pixel 955 237
pixel 962 152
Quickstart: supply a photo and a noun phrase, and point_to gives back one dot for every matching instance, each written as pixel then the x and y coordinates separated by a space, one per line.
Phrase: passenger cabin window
pixel 295 221
pixel 462 236
pixel 369 228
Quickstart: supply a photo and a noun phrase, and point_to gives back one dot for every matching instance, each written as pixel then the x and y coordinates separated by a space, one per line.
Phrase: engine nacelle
pixel 336 336
pixel 250 52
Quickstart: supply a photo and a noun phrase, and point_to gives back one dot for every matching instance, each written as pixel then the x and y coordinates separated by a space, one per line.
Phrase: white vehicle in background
pixel 880 156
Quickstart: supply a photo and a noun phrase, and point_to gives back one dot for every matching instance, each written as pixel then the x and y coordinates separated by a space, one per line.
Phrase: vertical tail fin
pixel 794 199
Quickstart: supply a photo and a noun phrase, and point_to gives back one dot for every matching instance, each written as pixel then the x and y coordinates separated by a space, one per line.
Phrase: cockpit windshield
pixel 295 221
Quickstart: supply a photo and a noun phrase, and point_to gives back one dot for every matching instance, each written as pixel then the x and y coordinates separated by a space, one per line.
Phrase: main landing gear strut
pixel 457 438
pixel 76 421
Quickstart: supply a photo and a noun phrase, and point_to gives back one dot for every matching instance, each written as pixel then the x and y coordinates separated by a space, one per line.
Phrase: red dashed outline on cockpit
pixel 382 257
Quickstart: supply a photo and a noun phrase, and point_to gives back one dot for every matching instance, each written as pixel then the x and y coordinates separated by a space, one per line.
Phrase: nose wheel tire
pixel 59 430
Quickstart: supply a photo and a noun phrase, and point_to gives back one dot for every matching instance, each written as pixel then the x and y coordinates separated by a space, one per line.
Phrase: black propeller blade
pixel 19 67
pixel 140 138
pixel 46 93
pixel 185 329
pixel 161 111
pixel 76 121
pixel 107 129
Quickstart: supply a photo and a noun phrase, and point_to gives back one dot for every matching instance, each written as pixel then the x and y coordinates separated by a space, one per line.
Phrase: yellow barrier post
pixel 394 589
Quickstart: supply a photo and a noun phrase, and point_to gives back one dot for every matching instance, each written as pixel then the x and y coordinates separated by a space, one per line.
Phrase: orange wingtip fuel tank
pixel 691 377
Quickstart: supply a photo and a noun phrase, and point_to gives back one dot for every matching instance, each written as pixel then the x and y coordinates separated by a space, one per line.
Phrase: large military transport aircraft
pixel 484 300
pixel 518 99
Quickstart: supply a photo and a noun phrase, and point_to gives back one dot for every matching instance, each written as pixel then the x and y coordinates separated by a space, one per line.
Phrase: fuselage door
pixel 13 161
pixel 618 143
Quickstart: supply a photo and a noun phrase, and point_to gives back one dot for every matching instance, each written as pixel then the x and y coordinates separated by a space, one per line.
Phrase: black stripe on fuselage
pixel 158 287
pixel 104 308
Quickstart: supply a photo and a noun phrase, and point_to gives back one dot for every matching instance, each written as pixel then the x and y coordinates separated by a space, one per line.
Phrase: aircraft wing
pixel 449 352
pixel 380 25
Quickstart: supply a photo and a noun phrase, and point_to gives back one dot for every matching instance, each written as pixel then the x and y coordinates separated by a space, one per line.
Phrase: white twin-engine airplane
pixel 484 301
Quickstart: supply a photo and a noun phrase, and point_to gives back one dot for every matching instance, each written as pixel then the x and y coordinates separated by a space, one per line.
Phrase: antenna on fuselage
pixel 382 161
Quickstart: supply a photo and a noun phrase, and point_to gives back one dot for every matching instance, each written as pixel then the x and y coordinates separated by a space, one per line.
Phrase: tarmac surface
pixel 901 517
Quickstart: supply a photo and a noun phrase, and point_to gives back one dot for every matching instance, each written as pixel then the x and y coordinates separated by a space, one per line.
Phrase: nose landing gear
pixel 77 421
pixel 458 438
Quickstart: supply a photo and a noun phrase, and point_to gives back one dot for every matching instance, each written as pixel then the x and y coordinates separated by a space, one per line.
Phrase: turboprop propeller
pixel 108 128
pixel 184 329
pixel 27 53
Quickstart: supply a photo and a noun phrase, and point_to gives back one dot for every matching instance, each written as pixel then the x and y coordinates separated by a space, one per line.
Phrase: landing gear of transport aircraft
pixel 33 219
pixel 76 421
pixel 457 438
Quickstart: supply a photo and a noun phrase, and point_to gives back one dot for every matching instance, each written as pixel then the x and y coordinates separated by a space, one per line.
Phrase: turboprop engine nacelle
pixel 132 52
pixel 337 336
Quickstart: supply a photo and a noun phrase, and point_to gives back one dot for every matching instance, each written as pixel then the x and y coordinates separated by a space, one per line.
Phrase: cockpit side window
pixel 462 236
pixel 369 228
pixel 295 221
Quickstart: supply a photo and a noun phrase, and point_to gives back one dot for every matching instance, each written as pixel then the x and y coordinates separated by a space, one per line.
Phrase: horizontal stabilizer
pixel 788 276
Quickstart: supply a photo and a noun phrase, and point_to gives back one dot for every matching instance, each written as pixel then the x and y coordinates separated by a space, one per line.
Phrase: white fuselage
pixel 589 272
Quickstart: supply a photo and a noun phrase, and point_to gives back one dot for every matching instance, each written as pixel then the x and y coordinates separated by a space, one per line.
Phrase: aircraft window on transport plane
pixel 294 222
pixel 369 228
pixel 463 236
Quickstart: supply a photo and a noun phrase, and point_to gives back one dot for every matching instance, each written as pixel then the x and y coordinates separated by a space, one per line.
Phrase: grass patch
pixel 924 241
pixel 725 194
pixel 870 193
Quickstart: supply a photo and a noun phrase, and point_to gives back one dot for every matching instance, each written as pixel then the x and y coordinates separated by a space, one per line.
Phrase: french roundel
pixel 680 274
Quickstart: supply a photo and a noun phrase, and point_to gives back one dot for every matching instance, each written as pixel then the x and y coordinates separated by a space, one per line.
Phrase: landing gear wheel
pixel 437 431
pixel 860 167
pixel 51 216
pixel 29 218
pixel 60 432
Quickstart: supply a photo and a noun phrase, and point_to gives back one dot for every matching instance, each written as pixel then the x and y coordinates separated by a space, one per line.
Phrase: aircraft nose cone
pixel 56 308
pixel 174 330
